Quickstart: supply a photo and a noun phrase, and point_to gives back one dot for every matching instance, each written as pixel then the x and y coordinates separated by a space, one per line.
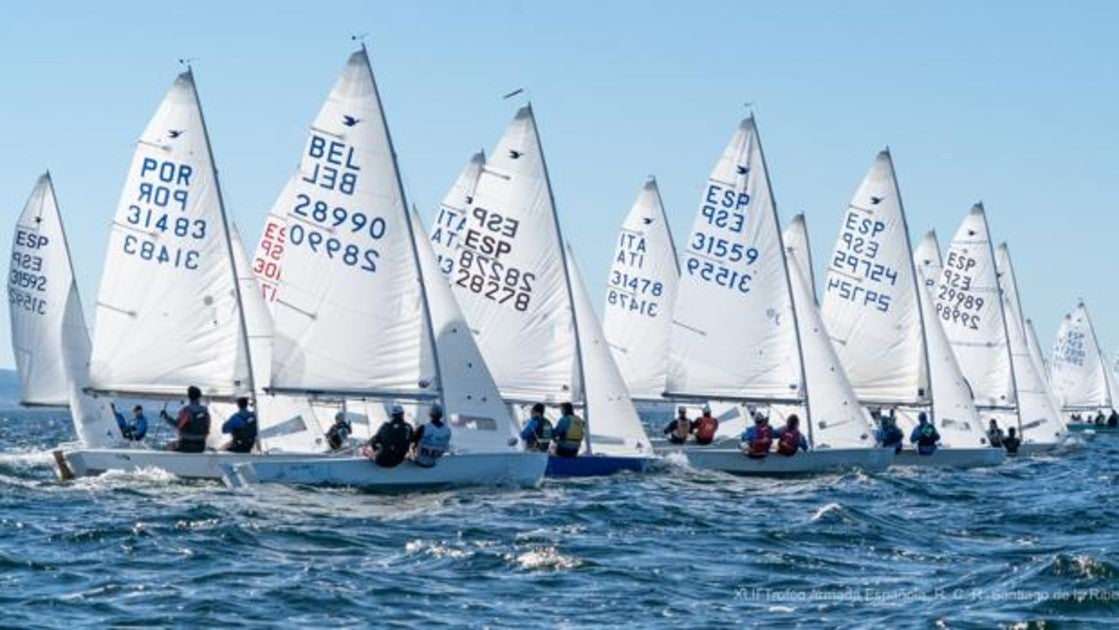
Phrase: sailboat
pixel 640 292
pixel 50 340
pixel 170 311
pixel 1082 381
pixel 361 310
pixel 746 329
pixel 881 323
pixel 498 241
pixel 1039 415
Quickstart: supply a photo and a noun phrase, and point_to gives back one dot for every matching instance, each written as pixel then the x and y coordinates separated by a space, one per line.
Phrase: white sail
pixel 969 307
pixel 39 282
pixel 1035 352
pixel 268 258
pixel 503 255
pixel 49 335
pixel 615 428
pixel 870 300
pixel 797 246
pixel 480 420
pixel 1038 416
pixel 167 311
pixel 348 314
pixel 733 333
pixel 1077 369
pixel 927 259
pixel 640 292
pixel 837 419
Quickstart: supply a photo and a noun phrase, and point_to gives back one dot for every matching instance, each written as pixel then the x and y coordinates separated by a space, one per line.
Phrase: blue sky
pixel 1009 102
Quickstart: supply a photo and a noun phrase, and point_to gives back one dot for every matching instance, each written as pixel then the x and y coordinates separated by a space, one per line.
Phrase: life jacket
pixel 542 435
pixel 573 438
pixel 433 443
pixel 705 429
pixel 1012 444
pixel 244 437
pixel 194 428
pixel 927 436
pixel 682 429
pixel 393 438
pixel 763 439
pixel 789 442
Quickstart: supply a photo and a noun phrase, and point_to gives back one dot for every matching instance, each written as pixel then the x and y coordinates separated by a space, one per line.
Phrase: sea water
pixel 1035 541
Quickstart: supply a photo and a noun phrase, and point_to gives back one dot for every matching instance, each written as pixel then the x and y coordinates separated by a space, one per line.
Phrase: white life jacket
pixel 434 442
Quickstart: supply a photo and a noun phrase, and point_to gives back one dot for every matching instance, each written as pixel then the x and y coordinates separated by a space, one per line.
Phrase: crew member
pixel 679 429
pixel 192 424
pixel 537 432
pixel 133 429
pixel 705 427
pixel 790 439
pixel 390 445
pixel 431 440
pixel 242 428
pixel 924 435
pixel 757 439
pixel 570 431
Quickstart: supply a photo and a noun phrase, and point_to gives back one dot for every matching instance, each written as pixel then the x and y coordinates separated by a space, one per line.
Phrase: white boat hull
pixel 953 458
pixel 208 465
pixel 731 460
pixel 466 469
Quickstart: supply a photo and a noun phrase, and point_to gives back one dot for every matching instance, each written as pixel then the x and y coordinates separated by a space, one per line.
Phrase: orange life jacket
pixel 763 439
pixel 789 442
pixel 705 429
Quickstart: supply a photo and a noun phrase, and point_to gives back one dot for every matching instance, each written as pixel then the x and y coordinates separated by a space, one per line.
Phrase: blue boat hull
pixel 593 465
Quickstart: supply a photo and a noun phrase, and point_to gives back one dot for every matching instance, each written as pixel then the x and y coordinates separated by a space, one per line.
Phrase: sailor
pixel 757 439
pixel 1100 418
pixel 1113 419
pixel 888 434
pixel 994 434
pixel 431 440
pixel 241 426
pixel 390 445
pixel 192 423
pixel 133 429
pixel 705 427
pixel 679 429
pixel 537 432
pixel 570 431
pixel 790 439
pixel 924 435
pixel 339 432
pixel 1011 442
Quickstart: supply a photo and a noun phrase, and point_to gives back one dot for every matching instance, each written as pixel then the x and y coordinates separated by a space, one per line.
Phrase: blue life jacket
pixel 433 443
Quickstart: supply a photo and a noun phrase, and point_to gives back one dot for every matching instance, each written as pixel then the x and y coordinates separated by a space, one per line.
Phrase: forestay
pixel 640 292
pixel 503 255
pixel 733 333
pixel 1077 369
pixel 167 311
pixel 797 246
pixel 969 307
pixel 612 420
pixel 1038 416
pixel 870 302
pixel 835 416
pixel 348 313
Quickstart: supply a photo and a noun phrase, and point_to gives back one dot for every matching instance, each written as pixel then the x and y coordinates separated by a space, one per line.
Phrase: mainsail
pixel 1038 415
pixel 1078 370
pixel 49 335
pixel 970 309
pixel 870 303
pixel 640 292
pixel 349 318
pixel 499 244
pixel 168 310
pixel 734 333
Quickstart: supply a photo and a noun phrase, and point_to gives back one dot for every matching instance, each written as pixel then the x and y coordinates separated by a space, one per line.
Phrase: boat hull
pixel 594 465
pixel 953 458
pixel 1091 428
pixel 84 462
pixel 813 462
pixel 465 469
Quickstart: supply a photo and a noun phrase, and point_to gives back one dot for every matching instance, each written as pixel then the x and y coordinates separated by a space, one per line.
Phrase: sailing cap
pixel 397 409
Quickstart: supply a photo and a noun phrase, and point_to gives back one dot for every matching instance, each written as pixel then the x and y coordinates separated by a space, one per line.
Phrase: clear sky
pixel 1013 103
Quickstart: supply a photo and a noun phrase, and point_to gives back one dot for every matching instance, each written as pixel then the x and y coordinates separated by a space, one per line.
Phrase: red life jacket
pixel 789 442
pixel 763 439
pixel 705 429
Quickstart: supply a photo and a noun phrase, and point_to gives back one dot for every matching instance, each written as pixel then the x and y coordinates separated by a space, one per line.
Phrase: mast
pixel 1002 313
pixel 919 287
pixel 667 227
pixel 429 329
pixel 788 283
pixel 567 283
pixel 244 330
